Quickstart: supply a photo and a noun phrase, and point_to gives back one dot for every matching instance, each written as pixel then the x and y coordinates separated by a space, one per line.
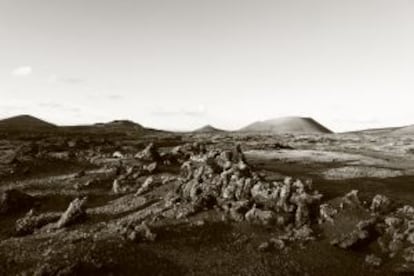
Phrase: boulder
pixel 146 186
pixel 149 154
pixel 117 154
pixel 373 260
pixel 151 168
pixel 351 200
pixel 303 201
pixel 327 213
pixel 73 214
pixel 258 216
pixel 277 243
pixel 304 233
pixel 138 233
pixel 116 186
pixel 362 233
pixel 380 204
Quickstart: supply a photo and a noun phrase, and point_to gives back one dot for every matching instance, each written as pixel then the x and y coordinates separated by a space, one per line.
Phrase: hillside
pixel 25 123
pixel 374 131
pixel 121 125
pixel 287 125
pixel 116 126
pixel 208 129
pixel 408 130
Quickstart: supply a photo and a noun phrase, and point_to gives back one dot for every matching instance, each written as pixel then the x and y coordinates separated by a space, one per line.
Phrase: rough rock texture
pixel 146 186
pixel 345 222
pixel 151 168
pixel 31 222
pixel 209 179
pixel 361 233
pixel 258 216
pixel 73 214
pixel 327 213
pixel 373 260
pixel 380 204
pixel 116 186
pixel 397 237
pixel 350 225
pixel 149 154
pixel 137 233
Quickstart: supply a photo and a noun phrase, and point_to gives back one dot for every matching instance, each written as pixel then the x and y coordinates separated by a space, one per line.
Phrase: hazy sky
pixel 178 64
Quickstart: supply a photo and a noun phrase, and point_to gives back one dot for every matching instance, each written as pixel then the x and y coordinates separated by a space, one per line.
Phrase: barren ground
pixel 206 242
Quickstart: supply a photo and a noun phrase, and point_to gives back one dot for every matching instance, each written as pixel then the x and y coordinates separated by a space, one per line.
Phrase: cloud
pixel 22 71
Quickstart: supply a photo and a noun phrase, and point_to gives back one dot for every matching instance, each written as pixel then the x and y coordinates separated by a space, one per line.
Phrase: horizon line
pixel 204 125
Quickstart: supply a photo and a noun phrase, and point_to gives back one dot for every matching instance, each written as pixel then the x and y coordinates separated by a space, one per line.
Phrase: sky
pixel 182 64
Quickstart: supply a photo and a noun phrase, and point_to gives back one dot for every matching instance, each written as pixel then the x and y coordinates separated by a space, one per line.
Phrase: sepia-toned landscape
pixel 280 197
pixel 206 137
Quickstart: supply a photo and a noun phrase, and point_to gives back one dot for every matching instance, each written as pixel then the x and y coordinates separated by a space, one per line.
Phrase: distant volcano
pixel 121 124
pixel 208 129
pixel 287 125
pixel 25 123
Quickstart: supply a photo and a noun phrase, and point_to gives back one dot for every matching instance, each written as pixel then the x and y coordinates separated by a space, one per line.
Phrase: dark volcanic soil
pixel 204 243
